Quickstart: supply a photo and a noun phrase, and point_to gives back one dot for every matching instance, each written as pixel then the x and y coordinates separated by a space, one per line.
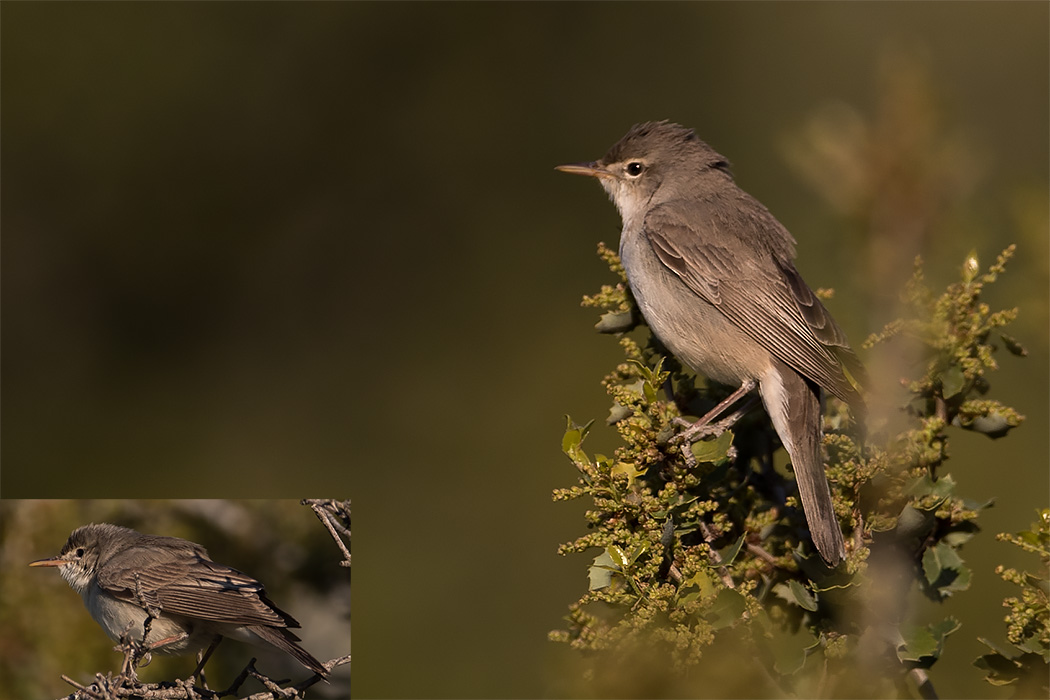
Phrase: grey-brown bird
pixel 126 577
pixel 713 274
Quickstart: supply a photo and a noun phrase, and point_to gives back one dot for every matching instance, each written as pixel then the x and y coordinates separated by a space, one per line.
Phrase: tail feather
pixel 793 403
pixel 286 642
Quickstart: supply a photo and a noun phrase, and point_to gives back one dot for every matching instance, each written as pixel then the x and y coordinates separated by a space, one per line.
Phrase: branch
pixel 333 514
pixel 119 687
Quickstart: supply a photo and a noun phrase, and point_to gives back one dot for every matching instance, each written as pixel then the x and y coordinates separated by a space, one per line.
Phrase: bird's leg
pixel 202 658
pixel 134 653
pixel 130 649
pixel 713 429
pixel 696 427
pixel 133 650
pixel 166 641
pixel 704 425
pixel 142 650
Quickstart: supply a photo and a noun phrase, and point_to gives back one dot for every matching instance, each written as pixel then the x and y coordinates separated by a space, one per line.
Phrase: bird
pixel 713 274
pixel 166 594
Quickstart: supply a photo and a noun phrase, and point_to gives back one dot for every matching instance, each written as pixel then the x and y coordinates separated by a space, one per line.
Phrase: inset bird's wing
pixel 761 293
pixel 184 581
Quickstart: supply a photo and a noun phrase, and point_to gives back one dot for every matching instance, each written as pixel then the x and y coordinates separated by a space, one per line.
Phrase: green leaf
pixel 1036 582
pixel 945 556
pixel 961 582
pixel 915 523
pixel 1001 651
pixel 970 504
pixel 931 566
pixel 616 553
pixel 945 571
pixel 802 597
pixel 616 322
pixel 952 381
pixel 703 584
pixel 945 627
pixel 782 591
pixel 654 375
pixel 957 538
pixel 617 413
pixel 628 468
pixel 1001 667
pixel 925 486
pixel 918 642
pixel 789 655
pixel 1033 645
pixel 789 659
pixel 573 438
pixel 938 558
pixel 729 553
pixel 994 425
pixel 601 572
pixel 727 609
pixel 713 451
pixel 650 392
pixel 637 552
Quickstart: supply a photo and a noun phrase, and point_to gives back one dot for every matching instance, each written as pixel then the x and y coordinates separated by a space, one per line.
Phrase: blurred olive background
pixel 45 630
pixel 265 250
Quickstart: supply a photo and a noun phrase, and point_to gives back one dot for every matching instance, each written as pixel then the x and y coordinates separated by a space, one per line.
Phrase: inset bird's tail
pixel 287 642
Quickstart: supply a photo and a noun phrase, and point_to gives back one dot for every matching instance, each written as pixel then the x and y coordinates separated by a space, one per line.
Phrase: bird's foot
pixel 707 426
pixel 135 655
pixel 701 429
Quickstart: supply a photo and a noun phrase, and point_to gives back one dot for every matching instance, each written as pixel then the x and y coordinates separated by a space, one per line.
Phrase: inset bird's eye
pixel 80 551
pixel 634 168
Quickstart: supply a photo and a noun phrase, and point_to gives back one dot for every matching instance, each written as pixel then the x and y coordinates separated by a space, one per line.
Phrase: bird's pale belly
pixel 119 618
pixel 690 327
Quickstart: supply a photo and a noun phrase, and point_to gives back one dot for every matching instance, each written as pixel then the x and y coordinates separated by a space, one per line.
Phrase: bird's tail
pixel 286 642
pixel 793 403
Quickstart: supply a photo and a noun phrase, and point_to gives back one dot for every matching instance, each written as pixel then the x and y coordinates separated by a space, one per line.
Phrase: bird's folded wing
pixel 188 584
pixel 766 298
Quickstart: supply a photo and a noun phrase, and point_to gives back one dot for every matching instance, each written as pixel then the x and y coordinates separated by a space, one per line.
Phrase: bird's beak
pixel 588 169
pixel 53 561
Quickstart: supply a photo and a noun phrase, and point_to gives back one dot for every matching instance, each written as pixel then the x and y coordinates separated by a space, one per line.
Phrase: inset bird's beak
pixel 53 561
pixel 588 169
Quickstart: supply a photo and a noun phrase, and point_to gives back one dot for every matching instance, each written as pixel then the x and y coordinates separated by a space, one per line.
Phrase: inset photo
pixel 175 598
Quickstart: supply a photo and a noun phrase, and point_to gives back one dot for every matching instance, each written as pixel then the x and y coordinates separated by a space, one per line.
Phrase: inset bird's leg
pixel 202 658
pixel 167 640
pixel 134 650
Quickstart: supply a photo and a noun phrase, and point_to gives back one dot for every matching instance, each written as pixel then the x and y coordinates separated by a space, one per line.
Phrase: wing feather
pixel 184 581
pixel 766 298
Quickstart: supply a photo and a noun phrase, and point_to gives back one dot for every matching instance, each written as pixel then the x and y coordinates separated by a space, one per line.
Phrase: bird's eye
pixel 80 551
pixel 634 168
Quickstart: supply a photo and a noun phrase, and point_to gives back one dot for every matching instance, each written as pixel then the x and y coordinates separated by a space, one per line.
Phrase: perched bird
pixel 169 589
pixel 713 274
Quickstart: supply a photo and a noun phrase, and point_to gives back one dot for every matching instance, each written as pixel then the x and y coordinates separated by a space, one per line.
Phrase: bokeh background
pixel 276 250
